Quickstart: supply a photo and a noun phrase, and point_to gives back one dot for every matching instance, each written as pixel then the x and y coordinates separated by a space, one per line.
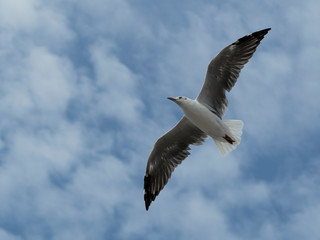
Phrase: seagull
pixel 202 116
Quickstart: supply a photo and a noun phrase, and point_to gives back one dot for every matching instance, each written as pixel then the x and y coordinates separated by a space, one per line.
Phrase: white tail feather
pixel 235 127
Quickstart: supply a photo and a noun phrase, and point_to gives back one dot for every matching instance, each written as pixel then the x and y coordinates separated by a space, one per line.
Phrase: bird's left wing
pixel 169 151
pixel 223 71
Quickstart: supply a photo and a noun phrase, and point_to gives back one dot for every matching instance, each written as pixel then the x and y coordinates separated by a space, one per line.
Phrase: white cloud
pixel 16 14
pixel 32 22
pixel 304 224
pixel 115 84
pixel 75 134
pixel 7 236
pixel 50 80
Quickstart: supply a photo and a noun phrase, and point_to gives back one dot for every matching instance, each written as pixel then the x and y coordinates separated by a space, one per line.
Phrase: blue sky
pixel 83 99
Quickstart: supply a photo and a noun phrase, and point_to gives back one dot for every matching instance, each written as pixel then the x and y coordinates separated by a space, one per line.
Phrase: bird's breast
pixel 204 119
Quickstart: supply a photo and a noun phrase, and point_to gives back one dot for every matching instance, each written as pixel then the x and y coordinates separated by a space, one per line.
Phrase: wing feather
pixel 168 152
pixel 223 71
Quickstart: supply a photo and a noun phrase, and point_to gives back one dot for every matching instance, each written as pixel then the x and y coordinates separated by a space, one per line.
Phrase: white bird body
pixel 225 133
pixel 203 118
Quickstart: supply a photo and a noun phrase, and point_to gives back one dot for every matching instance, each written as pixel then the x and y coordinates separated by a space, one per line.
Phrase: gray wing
pixel 168 152
pixel 223 71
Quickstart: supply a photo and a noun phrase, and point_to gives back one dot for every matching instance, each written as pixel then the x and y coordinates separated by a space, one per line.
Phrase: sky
pixel 83 98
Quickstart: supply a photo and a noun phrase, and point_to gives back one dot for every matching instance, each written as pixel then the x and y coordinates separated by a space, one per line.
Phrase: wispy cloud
pixel 83 99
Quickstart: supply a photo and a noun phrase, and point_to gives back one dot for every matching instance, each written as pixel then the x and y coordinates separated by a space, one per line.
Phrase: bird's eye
pixel 179 97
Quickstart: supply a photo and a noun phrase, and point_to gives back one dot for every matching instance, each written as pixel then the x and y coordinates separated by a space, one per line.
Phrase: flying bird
pixel 202 116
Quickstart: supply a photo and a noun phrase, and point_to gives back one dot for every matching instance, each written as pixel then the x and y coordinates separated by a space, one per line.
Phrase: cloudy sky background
pixel 83 99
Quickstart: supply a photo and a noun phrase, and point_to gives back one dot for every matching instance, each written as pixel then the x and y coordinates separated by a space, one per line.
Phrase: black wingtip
pixel 265 30
pixel 147 199
pixel 258 35
pixel 148 196
pixel 261 33
pixel 147 203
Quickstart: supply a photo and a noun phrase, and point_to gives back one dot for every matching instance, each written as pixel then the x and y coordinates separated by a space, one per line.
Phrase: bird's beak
pixel 172 99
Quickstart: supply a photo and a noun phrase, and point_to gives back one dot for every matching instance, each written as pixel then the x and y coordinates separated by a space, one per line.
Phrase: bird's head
pixel 179 100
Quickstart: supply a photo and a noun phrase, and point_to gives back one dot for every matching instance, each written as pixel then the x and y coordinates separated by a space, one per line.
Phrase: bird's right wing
pixel 169 151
